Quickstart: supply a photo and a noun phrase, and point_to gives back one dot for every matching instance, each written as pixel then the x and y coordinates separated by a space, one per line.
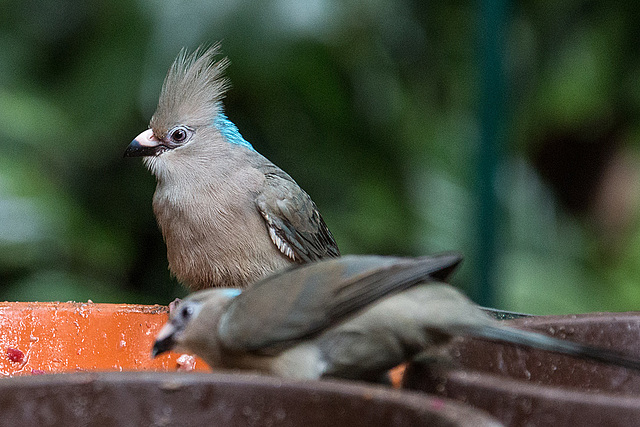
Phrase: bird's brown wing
pixel 299 302
pixel 293 221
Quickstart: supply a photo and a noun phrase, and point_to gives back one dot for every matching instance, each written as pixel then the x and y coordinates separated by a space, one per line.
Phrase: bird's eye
pixel 187 312
pixel 179 134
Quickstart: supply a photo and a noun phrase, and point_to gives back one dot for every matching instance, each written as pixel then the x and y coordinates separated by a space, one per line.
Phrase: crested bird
pixel 228 215
pixel 353 317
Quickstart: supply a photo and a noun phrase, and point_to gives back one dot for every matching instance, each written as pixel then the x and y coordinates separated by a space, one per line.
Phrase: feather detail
pixel 293 219
pixel 280 244
pixel 192 91
pixel 230 131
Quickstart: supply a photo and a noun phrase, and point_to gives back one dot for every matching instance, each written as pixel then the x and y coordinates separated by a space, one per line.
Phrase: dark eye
pixel 187 312
pixel 179 134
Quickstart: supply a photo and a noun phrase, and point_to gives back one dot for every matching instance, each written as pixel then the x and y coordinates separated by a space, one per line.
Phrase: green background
pixel 376 108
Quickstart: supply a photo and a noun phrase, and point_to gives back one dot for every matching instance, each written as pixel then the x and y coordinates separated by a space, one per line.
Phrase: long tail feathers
pixel 545 342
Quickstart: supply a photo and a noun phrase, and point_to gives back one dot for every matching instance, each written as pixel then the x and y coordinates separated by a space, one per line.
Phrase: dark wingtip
pixel 446 264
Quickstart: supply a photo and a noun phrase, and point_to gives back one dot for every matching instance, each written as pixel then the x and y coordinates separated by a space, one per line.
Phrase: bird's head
pixel 192 325
pixel 189 120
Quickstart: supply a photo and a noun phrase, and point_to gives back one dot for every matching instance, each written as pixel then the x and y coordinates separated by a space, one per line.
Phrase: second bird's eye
pixel 179 134
pixel 187 312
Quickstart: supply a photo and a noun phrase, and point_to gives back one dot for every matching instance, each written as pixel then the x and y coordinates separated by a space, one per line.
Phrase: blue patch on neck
pixel 230 131
pixel 231 292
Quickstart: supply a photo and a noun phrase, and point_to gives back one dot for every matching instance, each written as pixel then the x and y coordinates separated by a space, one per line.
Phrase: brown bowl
pixel 154 398
pixel 522 386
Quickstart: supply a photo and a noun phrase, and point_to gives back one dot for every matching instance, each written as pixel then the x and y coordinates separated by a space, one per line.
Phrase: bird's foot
pixel 186 362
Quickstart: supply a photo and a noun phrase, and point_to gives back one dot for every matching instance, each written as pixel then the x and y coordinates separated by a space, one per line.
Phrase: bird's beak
pixel 165 340
pixel 145 144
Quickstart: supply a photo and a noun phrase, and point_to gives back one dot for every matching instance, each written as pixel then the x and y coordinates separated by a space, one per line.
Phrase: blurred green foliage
pixel 372 106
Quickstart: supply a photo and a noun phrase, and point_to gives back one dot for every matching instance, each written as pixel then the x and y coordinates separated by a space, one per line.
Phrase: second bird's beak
pixel 145 144
pixel 164 340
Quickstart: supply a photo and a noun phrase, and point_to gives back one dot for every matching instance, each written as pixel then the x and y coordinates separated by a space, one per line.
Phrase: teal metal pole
pixel 492 20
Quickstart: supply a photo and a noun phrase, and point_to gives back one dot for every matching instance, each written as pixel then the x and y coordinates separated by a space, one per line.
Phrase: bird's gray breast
pixel 214 234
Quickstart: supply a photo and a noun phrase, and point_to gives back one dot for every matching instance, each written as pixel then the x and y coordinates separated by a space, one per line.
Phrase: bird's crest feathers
pixel 192 91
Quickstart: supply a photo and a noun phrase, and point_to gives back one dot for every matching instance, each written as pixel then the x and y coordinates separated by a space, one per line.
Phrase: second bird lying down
pixel 353 317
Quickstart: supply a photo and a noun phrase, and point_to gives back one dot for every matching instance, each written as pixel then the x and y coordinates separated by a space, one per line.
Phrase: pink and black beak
pixel 165 340
pixel 145 144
